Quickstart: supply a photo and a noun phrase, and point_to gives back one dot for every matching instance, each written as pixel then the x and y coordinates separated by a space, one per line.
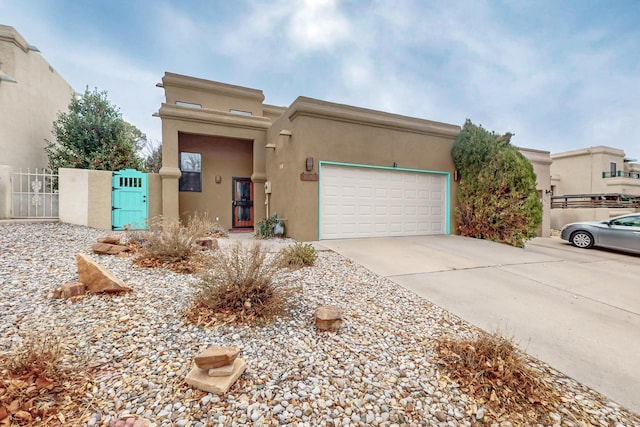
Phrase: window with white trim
pixel 191 168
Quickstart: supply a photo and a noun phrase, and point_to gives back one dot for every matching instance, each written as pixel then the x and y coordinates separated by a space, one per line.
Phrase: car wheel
pixel 582 239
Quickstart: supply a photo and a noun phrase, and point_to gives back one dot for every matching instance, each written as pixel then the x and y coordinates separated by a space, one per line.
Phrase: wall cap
pixel 310 107
pixel 202 85
pixel 208 116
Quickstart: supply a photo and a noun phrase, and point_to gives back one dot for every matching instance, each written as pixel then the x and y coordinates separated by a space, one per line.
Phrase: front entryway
pixel 242 214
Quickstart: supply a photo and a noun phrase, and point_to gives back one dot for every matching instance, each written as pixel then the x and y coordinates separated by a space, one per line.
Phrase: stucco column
pixel 170 171
pixel 258 178
pixel 5 191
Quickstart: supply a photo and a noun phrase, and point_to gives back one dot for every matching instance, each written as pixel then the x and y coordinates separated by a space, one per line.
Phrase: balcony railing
pixel 621 174
pixel 608 200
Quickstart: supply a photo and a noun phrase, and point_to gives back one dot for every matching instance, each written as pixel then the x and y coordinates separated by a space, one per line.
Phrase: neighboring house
pixel 598 175
pixel 328 170
pixel 31 95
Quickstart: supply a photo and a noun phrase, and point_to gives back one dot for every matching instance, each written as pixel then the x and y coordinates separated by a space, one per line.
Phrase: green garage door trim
pixel 447 195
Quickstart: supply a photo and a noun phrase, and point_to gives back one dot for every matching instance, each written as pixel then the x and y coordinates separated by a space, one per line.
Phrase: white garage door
pixel 367 202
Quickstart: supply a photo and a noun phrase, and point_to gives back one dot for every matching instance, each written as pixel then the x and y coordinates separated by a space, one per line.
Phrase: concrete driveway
pixel 578 310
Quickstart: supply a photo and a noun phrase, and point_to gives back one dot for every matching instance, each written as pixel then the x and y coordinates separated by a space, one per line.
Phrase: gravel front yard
pixel 379 369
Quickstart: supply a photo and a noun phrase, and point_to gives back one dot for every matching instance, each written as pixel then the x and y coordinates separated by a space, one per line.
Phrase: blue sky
pixel 560 74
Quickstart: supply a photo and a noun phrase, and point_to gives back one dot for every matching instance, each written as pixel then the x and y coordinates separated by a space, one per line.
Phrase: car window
pixel 630 221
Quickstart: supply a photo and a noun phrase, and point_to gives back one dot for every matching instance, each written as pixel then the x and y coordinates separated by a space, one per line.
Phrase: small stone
pixel 207 243
pixel 329 318
pixel 223 371
pixel 480 414
pixel 441 416
pixel 70 289
pixel 200 379
pixel 217 356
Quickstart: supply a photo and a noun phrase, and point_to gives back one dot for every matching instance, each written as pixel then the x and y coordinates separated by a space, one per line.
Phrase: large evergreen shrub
pixel 93 135
pixel 497 196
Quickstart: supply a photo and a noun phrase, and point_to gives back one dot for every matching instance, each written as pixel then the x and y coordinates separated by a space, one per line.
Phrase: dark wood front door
pixel 242 203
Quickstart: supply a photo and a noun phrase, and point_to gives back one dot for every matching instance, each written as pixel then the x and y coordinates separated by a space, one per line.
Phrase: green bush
pixel 266 228
pixel 497 196
pixel 298 255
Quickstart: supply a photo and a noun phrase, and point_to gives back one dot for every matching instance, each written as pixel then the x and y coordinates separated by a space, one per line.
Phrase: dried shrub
pixel 298 256
pixel 170 244
pixel 238 288
pixel 217 230
pixel 37 387
pixel 492 370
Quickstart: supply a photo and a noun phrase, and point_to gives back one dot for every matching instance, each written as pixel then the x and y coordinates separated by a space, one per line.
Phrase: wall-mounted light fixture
pixel 549 192
pixel 309 164
pixel 218 179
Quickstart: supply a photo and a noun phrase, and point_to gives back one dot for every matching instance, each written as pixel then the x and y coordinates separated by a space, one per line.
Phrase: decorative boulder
pixel 329 318
pixel 96 278
pixel 112 240
pixel 108 249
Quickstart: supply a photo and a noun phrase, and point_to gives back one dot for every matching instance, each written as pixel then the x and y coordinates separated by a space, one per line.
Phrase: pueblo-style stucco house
pixel 327 170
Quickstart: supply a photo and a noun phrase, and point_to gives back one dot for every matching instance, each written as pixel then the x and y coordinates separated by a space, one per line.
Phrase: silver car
pixel 621 232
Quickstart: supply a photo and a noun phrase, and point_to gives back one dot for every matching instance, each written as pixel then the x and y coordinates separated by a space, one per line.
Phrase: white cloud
pixel 317 24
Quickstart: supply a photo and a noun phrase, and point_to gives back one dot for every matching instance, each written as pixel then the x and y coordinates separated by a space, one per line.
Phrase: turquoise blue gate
pixel 129 207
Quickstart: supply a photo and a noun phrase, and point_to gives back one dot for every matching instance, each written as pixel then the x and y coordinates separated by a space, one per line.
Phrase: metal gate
pixel 129 206
pixel 34 194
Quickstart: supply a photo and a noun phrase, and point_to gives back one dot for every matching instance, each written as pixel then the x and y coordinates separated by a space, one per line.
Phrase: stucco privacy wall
pixel 85 197
pixel 339 133
pixel 541 162
pixel 561 217
pixel 31 95
pixel 5 191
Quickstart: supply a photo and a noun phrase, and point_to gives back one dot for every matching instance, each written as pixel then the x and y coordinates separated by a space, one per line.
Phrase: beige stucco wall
pixel 5 191
pixel 30 105
pixel 340 133
pixel 155 195
pixel 561 217
pixel 211 95
pixel 85 197
pixel 541 162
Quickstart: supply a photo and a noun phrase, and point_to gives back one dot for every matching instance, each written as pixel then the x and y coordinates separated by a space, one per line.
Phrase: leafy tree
pixel 152 157
pixel 93 135
pixel 497 195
